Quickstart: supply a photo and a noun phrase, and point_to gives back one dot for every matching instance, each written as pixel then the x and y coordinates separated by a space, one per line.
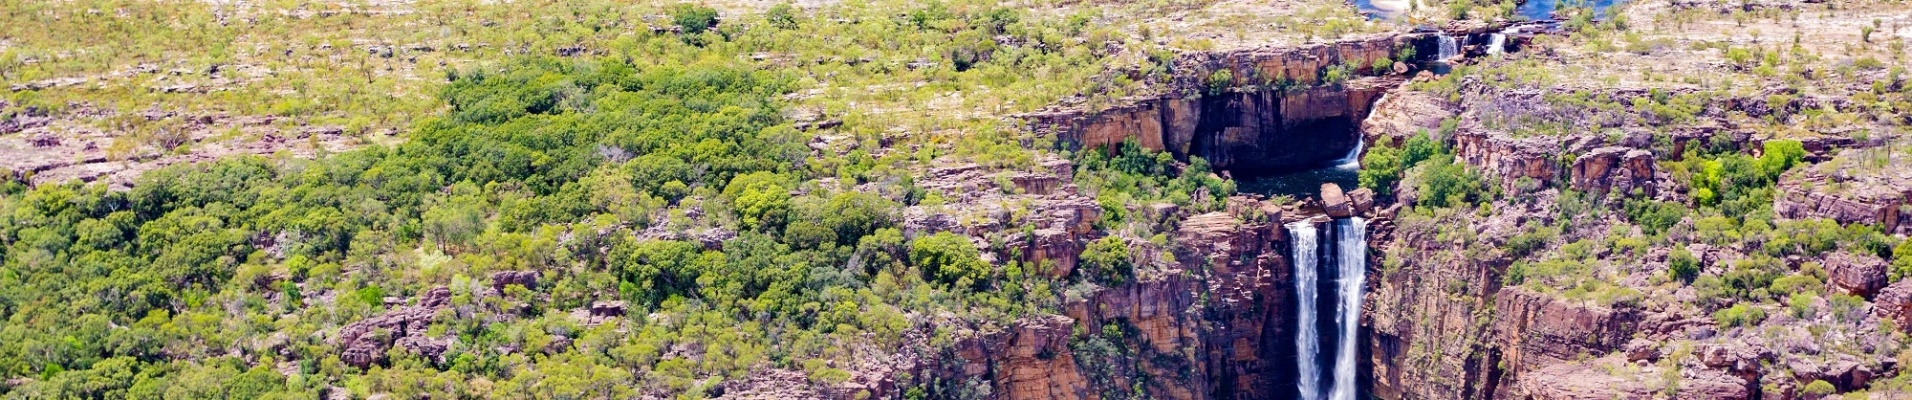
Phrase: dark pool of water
pixel 1301 184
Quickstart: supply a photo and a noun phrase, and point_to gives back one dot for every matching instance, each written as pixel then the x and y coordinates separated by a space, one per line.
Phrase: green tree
pixel 1107 260
pixel 693 18
pixel 949 258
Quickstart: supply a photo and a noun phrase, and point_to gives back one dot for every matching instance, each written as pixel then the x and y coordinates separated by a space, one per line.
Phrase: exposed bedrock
pixel 1203 325
pixel 1282 109
pixel 1853 195
pixel 1244 132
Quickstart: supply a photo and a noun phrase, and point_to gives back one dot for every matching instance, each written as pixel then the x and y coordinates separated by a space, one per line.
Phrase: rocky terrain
pixel 1670 200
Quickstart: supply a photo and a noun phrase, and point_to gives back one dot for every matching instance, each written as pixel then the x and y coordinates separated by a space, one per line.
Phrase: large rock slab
pixel 1335 202
pixel 1609 378
pixel 1855 274
pixel 1614 169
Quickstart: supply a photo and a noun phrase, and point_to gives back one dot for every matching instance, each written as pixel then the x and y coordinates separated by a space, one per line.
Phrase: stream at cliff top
pixel 1530 9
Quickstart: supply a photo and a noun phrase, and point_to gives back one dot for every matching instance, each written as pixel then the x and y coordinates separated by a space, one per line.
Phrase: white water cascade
pixel 1307 340
pixel 1351 265
pixel 1347 254
pixel 1496 43
pixel 1352 160
pixel 1449 48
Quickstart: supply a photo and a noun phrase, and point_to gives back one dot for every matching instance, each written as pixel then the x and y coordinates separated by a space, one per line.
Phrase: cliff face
pixel 1243 130
pixel 1205 325
pixel 1282 111
pixel 1857 196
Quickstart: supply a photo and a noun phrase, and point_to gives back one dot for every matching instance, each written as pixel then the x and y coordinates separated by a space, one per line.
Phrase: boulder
pixel 1363 200
pixel 1895 303
pixel 1616 169
pixel 501 279
pixel 607 309
pixel 365 342
pixel 1855 274
pixel 1643 350
pixel 1335 202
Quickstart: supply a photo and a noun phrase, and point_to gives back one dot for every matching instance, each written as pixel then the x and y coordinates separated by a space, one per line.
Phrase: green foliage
pixel 1801 304
pixel 1107 260
pixel 1682 265
pixel 693 18
pixel 1220 81
pixel 1819 387
pixel 1383 164
pixel 1447 183
pixel 1739 315
pixel 951 259
pixel 1652 216
pixel 1135 175
pixel 1902 260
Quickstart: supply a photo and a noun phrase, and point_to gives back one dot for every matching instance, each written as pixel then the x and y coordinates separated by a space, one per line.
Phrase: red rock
pixel 1895 303
pixel 1616 169
pixel 1607 378
pixel 1855 274
pixel 364 342
pixel 1335 202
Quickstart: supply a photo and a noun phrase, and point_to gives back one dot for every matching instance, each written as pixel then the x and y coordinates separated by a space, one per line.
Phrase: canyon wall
pixel 1282 110
pixel 1207 324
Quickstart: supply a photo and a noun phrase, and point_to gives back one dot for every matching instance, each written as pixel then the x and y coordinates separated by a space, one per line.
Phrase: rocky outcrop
pixel 1536 329
pixel 1508 157
pixel 1400 114
pixel 1895 303
pixel 1335 202
pixel 1303 65
pixel 502 279
pixel 1244 131
pixel 1207 322
pixel 1280 110
pixel 1619 170
pixel 1856 196
pixel 1855 274
pixel 1609 378
pixel 365 342
pixel 1030 361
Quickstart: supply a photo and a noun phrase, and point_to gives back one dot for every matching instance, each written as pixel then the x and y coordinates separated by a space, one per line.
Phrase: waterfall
pixel 1351 265
pixel 1449 47
pixel 1307 340
pixel 1352 160
pixel 1497 43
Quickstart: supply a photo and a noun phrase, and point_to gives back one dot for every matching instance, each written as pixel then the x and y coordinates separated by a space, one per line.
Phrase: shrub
pixel 1740 315
pixel 1819 388
pixel 1654 217
pixel 1801 304
pixel 949 258
pixel 1220 81
pixel 1682 265
pixel 1381 167
pixel 1107 260
pixel 693 18
pixel 1902 260
pixel 1446 183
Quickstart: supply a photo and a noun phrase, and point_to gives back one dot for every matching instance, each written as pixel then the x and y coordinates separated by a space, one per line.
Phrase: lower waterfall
pixel 1307 339
pixel 1449 48
pixel 1347 253
pixel 1351 264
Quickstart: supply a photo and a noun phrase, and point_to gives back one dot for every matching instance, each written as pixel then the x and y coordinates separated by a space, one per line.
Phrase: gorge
pixel 963 200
